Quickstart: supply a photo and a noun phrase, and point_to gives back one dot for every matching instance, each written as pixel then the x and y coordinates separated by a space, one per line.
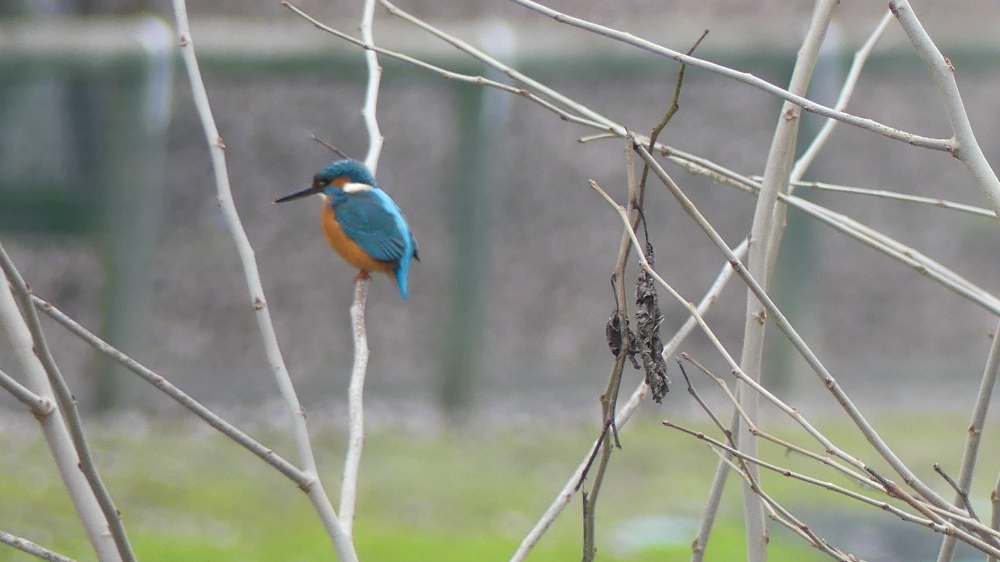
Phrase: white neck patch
pixel 355 187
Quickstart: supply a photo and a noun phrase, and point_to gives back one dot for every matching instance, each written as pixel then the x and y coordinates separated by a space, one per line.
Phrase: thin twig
pixel 697 397
pixel 341 540
pixel 940 523
pixel 779 513
pixel 964 144
pixel 328 146
pixel 799 419
pixel 301 479
pixel 765 241
pixel 846 91
pixel 609 399
pixel 862 233
pixel 590 503
pixel 456 76
pixel 369 110
pixel 707 522
pixel 962 493
pixel 356 390
pixel 967 150
pixel 55 429
pixel 355 393
pixel 793 336
pixel 895 195
pixel 588 532
pixel 746 78
pixel 674 107
pixel 971 452
pixel 24 545
pixel 879 504
pixel 624 414
pixel 67 404
pixel 995 510
pixel 36 404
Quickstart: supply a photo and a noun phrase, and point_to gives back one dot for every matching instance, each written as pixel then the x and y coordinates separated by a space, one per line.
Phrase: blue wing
pixel 375 223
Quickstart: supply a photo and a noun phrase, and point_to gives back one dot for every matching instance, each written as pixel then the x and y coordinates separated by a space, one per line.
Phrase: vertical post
pixel 483 113
pixel 131 180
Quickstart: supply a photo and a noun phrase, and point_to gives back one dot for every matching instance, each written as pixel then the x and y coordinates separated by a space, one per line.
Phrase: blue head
pixel 332 179
pixel 342 172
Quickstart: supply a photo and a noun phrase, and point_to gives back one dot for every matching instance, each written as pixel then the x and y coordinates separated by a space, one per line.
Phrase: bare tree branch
pixel 765 240
pixel 355 394
pixel 846 91
pixel 746 78
pixel 566 494
pixel 341 539
pixel 964 144
pixel 971 452
pixel 24 545
pixel 67 404
pixel 301 479
pixel 796 340
pixel 55 430
pixel 36 404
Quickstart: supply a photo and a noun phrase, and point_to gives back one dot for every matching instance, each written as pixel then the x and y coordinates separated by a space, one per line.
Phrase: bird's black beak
pixel 313 190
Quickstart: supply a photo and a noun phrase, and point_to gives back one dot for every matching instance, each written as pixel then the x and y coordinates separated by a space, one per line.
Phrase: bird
pixel 361 222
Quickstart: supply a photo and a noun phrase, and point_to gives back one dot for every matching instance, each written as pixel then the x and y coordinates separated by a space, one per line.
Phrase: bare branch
pixel 300 478
pixel 796 340
pixel 765 240
pixel 971 451
pixel 965 147
pixel 566 493
pixel 356 390
pixel 798 476
pixel 458 77
pixel 697 397
pixel 24 545
pixel 781 515
pixel 329 146
pixel 341 539
pixel 894 195
pixel 375 138
pixel 860 232
pixel 962 493
pixel 67 403
pixel 714 500
pixel 746 78
pixel 799 419
pixel 603 122
pixel 860 58
pixel 55 430
pixel 36 404
pixel 355 398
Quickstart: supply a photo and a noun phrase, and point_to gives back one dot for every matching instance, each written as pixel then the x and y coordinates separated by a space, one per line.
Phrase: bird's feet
pixel 362 275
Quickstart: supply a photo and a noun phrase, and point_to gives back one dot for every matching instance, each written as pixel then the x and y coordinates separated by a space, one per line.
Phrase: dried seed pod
pixel 647 335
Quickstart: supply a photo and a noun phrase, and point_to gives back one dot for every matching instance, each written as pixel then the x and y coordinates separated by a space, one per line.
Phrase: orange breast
pixel 348 249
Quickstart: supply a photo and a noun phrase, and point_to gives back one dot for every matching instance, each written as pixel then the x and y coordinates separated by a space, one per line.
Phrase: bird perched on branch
pixel 361 222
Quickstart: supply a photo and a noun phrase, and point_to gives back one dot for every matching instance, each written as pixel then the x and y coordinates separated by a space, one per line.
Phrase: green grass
pixel 187 494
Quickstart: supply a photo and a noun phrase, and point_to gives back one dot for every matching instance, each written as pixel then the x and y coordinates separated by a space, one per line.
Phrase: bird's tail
pixel 401 282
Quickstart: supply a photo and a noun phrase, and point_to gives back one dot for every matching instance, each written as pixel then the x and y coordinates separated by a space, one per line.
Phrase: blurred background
pixel 107 204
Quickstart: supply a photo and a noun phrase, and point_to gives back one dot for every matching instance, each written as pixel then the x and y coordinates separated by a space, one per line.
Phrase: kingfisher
pixel 361 222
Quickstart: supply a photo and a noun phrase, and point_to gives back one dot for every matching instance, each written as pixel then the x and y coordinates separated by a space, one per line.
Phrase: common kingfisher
pixel 361 222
